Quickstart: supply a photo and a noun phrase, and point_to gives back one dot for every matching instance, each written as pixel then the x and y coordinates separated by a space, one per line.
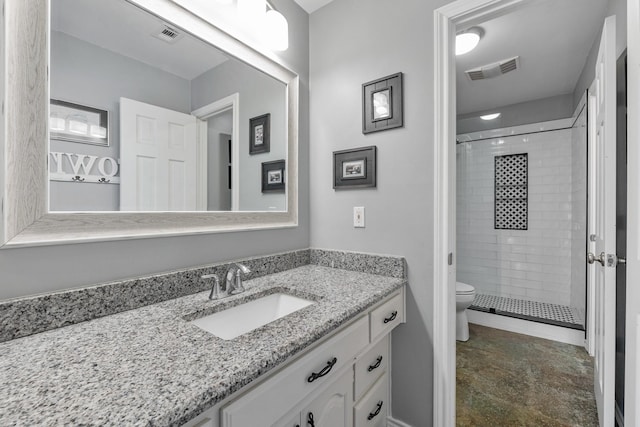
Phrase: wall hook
pixel 104 180
pixel 77 179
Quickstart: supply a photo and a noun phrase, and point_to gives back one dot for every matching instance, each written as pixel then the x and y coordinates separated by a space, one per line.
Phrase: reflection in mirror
pixel 145 117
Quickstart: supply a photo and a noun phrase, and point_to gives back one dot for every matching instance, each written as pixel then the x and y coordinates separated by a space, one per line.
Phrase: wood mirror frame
pixel 24 181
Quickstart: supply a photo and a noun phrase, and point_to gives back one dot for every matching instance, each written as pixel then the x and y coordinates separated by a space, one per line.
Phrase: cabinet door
pixel 290 421
pixel 333 406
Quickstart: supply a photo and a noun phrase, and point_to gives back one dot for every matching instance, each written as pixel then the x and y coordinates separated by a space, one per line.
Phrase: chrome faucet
pixel 232 282
pixel 234 278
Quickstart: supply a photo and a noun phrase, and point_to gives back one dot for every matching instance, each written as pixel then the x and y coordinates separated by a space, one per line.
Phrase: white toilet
pixel 464 297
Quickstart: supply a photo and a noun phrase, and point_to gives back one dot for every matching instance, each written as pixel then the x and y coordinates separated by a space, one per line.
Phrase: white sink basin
pixel 243 318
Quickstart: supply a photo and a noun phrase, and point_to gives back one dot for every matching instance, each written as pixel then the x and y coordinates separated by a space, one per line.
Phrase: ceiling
pixel 125 29
pixel 311 6
pixel 553 39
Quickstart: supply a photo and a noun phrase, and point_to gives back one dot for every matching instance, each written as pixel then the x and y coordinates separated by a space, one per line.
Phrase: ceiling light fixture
pixel 467 40
pixel 492 116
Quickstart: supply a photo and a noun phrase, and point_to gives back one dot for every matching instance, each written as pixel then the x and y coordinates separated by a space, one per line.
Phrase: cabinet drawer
pixel 387 316
pixel 269 401
pixel 372 409
pixel 371 365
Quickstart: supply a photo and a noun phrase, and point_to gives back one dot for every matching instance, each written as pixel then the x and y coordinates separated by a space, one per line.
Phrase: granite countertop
pixel 151 367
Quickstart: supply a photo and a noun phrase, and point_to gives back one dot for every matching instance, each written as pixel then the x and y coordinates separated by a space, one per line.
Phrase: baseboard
pixel 525 327
pixel 392 422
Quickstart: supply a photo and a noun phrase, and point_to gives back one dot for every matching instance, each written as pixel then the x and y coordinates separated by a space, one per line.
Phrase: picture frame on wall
pixel 260 134
pixel 73 122
pixel 273 176
pixel 354 168
pixel 382 105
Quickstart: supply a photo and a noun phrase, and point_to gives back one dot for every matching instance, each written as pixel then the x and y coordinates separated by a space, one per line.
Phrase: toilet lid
pixel 463 288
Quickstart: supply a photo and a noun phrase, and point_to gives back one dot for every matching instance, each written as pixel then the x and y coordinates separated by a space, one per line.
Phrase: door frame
pixel 446 19
pixel 231 102
pixel 461 13
pixel 632 324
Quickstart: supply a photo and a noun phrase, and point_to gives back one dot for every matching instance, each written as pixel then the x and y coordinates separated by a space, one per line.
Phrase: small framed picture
pixel 354 168
pixel 382 104
pixel 259 134
pixel 78 123
pixel 273 176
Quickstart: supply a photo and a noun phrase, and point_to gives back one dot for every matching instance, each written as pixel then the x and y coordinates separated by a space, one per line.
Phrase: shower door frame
pixel 467 13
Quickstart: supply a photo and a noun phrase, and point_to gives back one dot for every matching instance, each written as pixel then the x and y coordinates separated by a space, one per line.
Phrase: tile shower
pixel 521 220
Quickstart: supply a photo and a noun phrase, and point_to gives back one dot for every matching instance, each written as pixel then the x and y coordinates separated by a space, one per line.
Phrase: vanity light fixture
pixel 276 30
pixel 252 12
pixel 492 116
pixel 467 40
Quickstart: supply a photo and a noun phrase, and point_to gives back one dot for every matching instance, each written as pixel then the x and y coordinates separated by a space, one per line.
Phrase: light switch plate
pixel 358 216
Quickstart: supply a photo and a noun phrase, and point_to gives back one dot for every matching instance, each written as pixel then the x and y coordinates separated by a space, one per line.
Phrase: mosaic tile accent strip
pixel 511 192
pixel 26 316
pixel 382 265
pixel 555 314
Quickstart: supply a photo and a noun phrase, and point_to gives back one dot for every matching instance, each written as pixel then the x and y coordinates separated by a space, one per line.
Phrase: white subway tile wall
pixel 533 264
pixel 578 293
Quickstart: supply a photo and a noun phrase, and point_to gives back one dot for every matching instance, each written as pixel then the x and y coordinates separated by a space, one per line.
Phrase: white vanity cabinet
pixel 331 407
pixel 340 382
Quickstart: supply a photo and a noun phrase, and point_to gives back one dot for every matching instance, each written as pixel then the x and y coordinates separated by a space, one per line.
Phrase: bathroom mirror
pixel 109 88
pixel 172 141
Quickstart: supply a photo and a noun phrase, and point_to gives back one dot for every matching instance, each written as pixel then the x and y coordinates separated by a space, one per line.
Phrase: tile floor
pixel 508 379
pixel 554 314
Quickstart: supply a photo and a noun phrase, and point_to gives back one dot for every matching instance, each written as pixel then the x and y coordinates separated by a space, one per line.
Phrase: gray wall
pixel 44 269
pixel 614 7
pixel 87 74
pixel 352 42
pixel 259 94
pixel 540 110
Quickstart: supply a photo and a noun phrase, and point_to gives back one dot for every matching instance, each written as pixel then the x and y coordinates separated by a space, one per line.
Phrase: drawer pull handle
pixel 377 364
pixel 372 415
pixel 392 317
pixel 314 376
pixel 310 420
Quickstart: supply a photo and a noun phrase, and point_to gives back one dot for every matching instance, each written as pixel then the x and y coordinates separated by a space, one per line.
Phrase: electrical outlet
pixel 358 217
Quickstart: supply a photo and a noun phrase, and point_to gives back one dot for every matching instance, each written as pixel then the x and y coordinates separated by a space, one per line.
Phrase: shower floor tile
pixel 554 314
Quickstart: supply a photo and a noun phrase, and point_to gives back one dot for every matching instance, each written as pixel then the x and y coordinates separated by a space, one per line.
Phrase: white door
pixel 602 222
pixel 157 158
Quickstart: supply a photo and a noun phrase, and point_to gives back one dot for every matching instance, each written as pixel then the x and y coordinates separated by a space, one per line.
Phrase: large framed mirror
pixel 149 122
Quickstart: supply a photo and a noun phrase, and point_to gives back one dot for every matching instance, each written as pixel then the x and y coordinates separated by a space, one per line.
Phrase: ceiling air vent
pixel 167 34
pixel 494 70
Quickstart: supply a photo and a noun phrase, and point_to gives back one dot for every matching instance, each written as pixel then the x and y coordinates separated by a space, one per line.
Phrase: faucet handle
pixel 238 288
pixel 215 289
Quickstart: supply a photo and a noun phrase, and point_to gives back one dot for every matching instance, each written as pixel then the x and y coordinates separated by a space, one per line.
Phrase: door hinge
pixel 450 258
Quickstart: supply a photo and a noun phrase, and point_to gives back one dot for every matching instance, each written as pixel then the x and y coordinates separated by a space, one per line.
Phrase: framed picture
pixel 382 104
pixel 259 134
pixel 354 168
pixel 273 174
pixel 78 123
